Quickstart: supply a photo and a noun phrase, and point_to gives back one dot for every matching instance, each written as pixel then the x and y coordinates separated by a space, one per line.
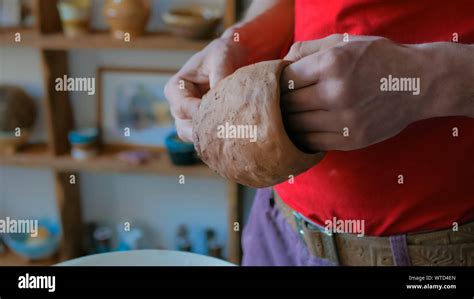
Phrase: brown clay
pixel 249 97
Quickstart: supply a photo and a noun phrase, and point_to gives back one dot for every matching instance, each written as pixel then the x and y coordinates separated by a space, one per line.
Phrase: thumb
pixel 219 72
pixel 302 49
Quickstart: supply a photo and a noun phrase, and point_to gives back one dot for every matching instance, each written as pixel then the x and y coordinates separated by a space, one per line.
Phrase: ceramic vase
pixel 127 17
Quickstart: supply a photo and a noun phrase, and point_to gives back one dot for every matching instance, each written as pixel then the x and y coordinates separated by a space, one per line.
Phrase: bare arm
pixel 453 93
pixel 266 30
pixel 341 87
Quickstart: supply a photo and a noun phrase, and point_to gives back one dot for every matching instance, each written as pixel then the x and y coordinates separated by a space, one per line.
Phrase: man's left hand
pixel 333 96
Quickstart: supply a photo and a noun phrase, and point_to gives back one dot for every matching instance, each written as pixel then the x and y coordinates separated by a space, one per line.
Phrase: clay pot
pixel 238 130
pixel 193 22
pixel 17 110
pixel 127 16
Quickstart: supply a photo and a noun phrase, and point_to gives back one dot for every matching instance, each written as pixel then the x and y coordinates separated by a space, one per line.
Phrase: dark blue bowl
pixel 181 153
pixel 84 135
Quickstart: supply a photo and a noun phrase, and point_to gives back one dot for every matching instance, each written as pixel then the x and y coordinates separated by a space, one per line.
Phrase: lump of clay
pixel 238 130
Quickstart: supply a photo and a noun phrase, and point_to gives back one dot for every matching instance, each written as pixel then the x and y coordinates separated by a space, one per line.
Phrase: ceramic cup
pixel 75 16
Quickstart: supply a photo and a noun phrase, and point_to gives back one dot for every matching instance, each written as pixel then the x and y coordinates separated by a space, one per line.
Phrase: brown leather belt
pixel 435 248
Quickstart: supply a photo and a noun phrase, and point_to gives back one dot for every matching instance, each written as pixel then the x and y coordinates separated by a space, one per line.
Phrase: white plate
pixel 146 258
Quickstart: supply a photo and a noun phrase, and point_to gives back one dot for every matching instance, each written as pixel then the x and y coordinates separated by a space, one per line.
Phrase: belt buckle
pixel 328 249
pixel 299 225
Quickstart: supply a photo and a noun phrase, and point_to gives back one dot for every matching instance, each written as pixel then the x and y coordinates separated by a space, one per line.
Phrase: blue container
pixel 83 136
pixel 18 242
pixel 181 153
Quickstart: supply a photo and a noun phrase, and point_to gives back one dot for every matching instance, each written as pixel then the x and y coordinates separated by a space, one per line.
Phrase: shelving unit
pixel 47 37
pixel 38 156
pixel 98 40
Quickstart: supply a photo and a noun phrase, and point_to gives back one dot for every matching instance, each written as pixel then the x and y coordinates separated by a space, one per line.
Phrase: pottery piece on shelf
pixel 127 16
pixel 75 16
pixel 84 143
pixel 181 153
pixel 17 117
pixel 183 242
pixel 194 22
pixel 41 245
pixel 10 143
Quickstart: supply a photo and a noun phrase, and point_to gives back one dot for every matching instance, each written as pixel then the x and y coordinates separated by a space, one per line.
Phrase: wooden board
pixel 59 117
pixel 38 156
pixel 99 40
pixel 234 214
pixel 47 14
pixel 230 13
pixel 69 206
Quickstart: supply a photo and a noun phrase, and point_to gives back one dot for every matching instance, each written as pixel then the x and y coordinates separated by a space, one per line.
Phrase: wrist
pixel 256 47
pixel 448 80
pixel 254 34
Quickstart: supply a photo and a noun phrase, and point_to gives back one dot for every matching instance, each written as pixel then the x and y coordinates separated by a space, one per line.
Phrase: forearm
pixel 451 92
pixel 266 31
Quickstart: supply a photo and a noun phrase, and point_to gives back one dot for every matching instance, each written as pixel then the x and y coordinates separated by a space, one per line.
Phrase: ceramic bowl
pixel 194 22
pixel 181 153
pixel 21 243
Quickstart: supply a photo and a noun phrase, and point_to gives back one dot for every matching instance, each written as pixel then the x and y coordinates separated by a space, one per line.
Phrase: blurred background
pixel 102 169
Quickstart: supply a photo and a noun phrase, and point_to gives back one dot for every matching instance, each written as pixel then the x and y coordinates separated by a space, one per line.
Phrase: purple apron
pixel 268 239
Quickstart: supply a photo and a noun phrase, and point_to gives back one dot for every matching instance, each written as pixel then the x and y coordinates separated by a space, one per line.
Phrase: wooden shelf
pixel 9 258
pixel 53 48
pixel 98 40
pixel 38 156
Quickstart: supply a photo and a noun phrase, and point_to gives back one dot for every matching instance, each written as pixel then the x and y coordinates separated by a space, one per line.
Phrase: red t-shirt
pixel 437 168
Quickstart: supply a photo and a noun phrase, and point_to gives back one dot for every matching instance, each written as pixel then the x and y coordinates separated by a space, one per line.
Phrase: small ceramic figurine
pixel 129 239
pixel 183 243
pixel 84 143
pixel 214 249
pixel 103 238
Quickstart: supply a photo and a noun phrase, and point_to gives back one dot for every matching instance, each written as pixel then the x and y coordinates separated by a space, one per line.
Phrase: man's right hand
pixel 185 90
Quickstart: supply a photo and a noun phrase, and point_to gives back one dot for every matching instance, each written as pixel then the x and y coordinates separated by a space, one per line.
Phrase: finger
pixel 313 122
pixel 300 50
pixel 185 108
pixel 321 141
pixel 308 98
pixel 185 129
pixel 303 73
pixel 220 72
pixel 183 97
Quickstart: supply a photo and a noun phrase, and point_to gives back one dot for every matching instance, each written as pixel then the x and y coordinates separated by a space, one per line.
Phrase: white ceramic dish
pixel 146 258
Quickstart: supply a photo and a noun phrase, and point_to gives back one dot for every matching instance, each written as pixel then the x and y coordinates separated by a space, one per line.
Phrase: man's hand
pixel 185 89
pixel 334 97
pixel 244 43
